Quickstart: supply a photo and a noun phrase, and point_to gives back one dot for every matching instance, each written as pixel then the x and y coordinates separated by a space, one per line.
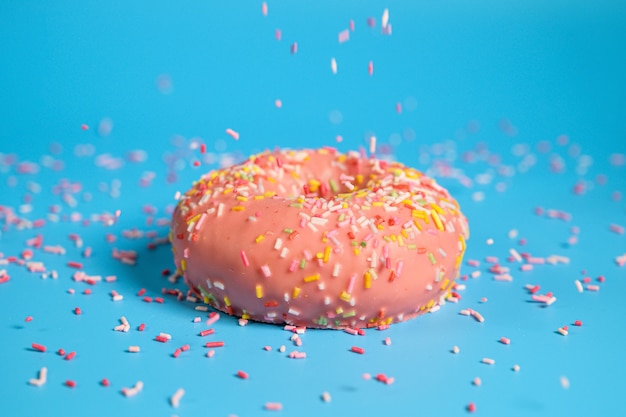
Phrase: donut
pixel 319 238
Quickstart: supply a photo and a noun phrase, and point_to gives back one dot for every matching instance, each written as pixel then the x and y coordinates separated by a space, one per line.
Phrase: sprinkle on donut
pixel 318 238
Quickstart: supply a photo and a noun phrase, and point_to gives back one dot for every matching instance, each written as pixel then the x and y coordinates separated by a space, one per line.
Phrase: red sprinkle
pixel 207 332
pixel 161 339
pixel 38 347
pixel 147 299
pixel 70 383
pixel 177 353
pixel 28 319
pixel 159 300
pixel 242 374
pixel 578 323
pixel 358 350
pixel 61 352
pixel 184 348
pixel 76 265
pixel 105 382
pixel 141 292
pixel 78 311
pixel 471 407
pixel 70 356
pixel 141 327
pixel 214 344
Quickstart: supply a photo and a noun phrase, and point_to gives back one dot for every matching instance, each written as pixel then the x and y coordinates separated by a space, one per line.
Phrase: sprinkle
pixel 488 361
pixel 593 287
pixel 370 68
pixel 41 378
pixel 129 392
pixel 244 258
pixel 214 344
pixel 344 36
pixel 563 331
pixel 232 133
pixel 477 382
pixel 326 397
pixel 455 350
pixel 578 323
pixel 333 65
pixel 471 407
pixel 564 382
pixel 358 350
pixel 265 270
pixel 70 356
pixel 37 346
pixel 77 311
pixel 175 399
pixel 105 382
pixel 273 406
pixel 134 349
pixel 70 383
pixel 505 340
pixel 478 316
pixel 579 286
pixel 516 368
pixel 242 374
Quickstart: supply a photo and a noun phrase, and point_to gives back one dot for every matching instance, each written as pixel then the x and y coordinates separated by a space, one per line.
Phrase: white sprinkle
pixel 579 286
pixel 175 399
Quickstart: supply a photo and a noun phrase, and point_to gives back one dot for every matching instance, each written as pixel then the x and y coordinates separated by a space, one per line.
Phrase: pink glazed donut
pixel 320 239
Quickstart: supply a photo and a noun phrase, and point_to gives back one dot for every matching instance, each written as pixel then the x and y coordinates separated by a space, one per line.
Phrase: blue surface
pixel 486 90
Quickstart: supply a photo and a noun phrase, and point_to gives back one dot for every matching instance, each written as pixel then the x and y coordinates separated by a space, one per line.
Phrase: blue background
pixel 486 89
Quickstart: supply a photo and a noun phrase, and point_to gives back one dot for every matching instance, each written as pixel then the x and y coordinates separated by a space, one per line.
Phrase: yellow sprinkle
pixel 378 204
pixel 259 291
pixel 417 224
pixel 296 292
pixel 444 284
pixel 227 301
pixel 400 241
pixel 242 198
pixel 259 197
pixel 205 299
pixel 194 218
pixel 394 238
pixel 311 278
pixel 245 316
pixel 238 208
pixel 259 238
pixel 314 185
pixel 457 261
pixel 345 297
pixel 367 280
pixel 462 243
pixel 183 264
pixel 380 226
pixel 438 209
pixel 227 191
pixel 319 255
pixel 357 251
pixel 404 234
pixel 339 310
pixel 326 254
pixel 430 304
pixel 359 179
pixel 437 220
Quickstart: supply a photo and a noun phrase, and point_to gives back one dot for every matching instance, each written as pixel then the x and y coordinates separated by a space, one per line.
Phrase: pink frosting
pixel 317 238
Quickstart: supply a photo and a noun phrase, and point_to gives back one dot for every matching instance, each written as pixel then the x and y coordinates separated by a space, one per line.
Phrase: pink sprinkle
pixel 351 25
pixel 488 361
pixel 366 376
pixel 232 133
pixel 505 340
pixel 28 319
pixel 267 348
pixel 264 8
pixel 344 36
pixel 473 262
pixel 616 229
pixel 370 68
pixel 210 353
pixel 526 267
pixel 398 107
pixel 278 103
pixel 593 287
pixel 387 341
pixel 273 406
pixel 84 127
pixel 213 317
pixel 477 382
pixel 278 34
pixel 294 47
